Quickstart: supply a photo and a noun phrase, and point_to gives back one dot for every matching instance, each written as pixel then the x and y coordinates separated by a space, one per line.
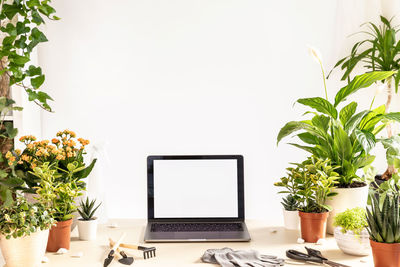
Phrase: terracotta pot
pixel 59 236
pixel 313 226
pixel 385 254
pixel 26 251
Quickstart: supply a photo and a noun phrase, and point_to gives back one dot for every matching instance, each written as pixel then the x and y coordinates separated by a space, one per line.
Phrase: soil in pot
pixel 60 236
pixel 385 254
pixel 313 225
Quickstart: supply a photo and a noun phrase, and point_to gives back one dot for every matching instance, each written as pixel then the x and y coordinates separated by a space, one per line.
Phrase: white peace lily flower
pixel 316 55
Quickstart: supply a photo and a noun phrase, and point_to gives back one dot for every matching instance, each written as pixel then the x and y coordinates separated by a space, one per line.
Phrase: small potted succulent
pixel 87 224
pixel 59 196
pixel 290 202
pixel 316 179
pixel 24 230
pixel 290 213
pixel 384 230
pixel 350 232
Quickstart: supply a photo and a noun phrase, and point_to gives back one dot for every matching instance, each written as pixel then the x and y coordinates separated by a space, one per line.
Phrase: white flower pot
pixel 347 198
pixel 352 244
pixel 87 229
pixel 26 251
pixel 291 219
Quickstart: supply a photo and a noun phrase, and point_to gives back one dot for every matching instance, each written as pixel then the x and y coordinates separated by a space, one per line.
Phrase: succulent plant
pixel 289 203
pixel 384 222
pixel 87 209
pixel 351 220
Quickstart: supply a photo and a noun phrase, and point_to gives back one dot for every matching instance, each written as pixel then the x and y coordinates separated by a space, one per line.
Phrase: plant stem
pixel 324 78
pixel 373 100
pixel 388 102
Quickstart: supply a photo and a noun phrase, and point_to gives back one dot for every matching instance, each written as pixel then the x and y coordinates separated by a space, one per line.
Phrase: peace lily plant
pixel 343 135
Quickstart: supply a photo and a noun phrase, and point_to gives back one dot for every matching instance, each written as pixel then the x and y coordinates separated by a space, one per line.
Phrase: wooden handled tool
pixel 148 252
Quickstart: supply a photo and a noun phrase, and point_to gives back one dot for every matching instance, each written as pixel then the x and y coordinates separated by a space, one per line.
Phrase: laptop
pixel 195 198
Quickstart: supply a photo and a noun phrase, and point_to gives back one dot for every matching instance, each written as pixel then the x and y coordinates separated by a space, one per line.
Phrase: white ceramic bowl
pixel 353 244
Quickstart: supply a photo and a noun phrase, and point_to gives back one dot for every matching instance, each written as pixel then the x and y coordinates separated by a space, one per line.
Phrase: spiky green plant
pixel 384 222
pixel 289 203
pixel 87 209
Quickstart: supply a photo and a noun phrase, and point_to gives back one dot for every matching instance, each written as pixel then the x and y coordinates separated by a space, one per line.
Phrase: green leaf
pixel 20 60
pixel 321 122
pixel 292 127
pixel 34 71
pixel 85 172
pixel 354 121
pixel 320 104
pixel 37 81
pixel 361 81
pixel 394 116
pixel 347 112
pixel 366 139
pixel 11 131
pixel 342 144
pixel 308 138
pixel 11 10
pixel 38 36
pixel 32 3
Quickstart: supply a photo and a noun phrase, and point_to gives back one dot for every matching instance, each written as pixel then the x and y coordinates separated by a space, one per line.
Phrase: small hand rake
pixel 148 252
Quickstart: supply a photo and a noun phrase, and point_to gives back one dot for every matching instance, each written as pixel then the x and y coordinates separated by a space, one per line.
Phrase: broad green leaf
pixel 347 112
pixel 366 139
pixel 321 122
pixel 394 116
pixel 308 138
pixel 342 144
pixel 292 127
pixel 355 120
pixel 37 81
pixel 320 104
pixel 361 81
pixel 361 162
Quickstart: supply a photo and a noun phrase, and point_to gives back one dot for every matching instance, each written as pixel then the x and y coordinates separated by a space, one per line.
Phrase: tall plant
pixel 378 52
pixel 343 136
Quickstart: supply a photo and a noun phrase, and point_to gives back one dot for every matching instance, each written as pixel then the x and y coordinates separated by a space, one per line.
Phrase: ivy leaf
pixel 46 10
pixel 20 60
pixel 32 3
pixel 37 81
pixel 11 10
pixel 21 28
pixel 21 42
pixel 10 29
pixel 42 97
pixel 34 71
pixel 36 18
pixel 38 36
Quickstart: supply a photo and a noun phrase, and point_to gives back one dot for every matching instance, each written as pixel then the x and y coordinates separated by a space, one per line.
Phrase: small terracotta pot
pixel 385 254
pixel 59 236
pixel 313 225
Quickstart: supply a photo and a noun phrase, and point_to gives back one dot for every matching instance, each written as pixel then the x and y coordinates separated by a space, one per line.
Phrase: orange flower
pixel 55 141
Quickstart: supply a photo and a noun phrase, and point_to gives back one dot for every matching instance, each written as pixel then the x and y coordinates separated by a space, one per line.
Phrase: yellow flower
pixel 8 155
pixel 18 151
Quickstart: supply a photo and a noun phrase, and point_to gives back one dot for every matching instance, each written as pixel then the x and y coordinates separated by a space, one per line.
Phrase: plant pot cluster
pixel 49 199
pixel 344 136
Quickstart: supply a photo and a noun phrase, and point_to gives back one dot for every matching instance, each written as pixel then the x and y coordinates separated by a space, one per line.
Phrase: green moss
pixel 351 219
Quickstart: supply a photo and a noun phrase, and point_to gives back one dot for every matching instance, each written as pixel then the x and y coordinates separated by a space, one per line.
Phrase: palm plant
pixel 343 136
pixel 379 52
pixel 384 222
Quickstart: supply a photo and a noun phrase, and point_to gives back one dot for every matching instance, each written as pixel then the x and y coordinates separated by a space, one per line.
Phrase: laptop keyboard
pixel 196 227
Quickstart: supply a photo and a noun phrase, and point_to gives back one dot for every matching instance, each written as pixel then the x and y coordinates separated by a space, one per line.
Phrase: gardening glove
pixel 218 256
pixel 254 258
pixel 227 257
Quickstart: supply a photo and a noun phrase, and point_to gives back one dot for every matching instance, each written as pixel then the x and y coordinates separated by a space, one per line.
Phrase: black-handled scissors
pixel 312 255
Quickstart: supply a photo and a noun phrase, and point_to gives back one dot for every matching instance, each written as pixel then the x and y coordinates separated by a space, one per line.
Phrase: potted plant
pixel 24 230
pixel 392 147
pixel 378 51
pixel 384 230
pixel 290 202
pixel 315 179
pixel 350 233
pixel 87 224
pixel 59 196
pixel 344 136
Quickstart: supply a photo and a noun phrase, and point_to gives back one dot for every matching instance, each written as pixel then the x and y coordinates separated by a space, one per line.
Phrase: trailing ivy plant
pixel 380 51
pixel 20 21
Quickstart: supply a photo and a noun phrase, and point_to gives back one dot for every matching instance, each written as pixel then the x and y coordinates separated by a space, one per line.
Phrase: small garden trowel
pixel 124 260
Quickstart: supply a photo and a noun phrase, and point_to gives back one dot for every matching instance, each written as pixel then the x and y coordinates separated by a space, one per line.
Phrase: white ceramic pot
pixel 352 244
pixel 291 219
pixel 87 229
pixel 27 251
pixel 347 198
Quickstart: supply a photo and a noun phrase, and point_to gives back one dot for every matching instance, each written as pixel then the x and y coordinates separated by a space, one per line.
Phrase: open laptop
pixel 195 199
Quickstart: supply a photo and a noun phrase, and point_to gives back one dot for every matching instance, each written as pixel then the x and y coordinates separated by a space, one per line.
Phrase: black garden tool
pixel 312 255
pixel 148 252
pixel 115 247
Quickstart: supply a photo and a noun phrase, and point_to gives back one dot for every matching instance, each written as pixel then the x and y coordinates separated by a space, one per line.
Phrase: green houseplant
pixel 87 224
pixel 350 233
pixel 384 230
pixel 379 51
pixel 59 196
pixel 24 230
pixel 344 136
pixel 314 180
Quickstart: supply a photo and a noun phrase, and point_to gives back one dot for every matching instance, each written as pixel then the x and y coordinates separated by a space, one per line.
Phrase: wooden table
pixel 267 240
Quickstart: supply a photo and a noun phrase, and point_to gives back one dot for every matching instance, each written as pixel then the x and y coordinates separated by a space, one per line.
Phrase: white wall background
pixel 192 77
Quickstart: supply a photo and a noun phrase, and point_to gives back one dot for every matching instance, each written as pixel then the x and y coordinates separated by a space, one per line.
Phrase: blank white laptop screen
pixel 195 188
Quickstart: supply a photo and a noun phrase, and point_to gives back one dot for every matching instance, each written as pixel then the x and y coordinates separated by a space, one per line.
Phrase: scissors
pixel 312 255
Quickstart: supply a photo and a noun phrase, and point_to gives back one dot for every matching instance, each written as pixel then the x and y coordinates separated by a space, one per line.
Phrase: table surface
pixel 265 239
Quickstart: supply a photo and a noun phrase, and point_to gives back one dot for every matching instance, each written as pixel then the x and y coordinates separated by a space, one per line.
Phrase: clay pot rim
pixel 314 215
pixel 384 246
pixel 60 224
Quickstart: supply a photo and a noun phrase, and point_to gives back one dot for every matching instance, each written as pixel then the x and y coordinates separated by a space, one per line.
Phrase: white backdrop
pixel 192 77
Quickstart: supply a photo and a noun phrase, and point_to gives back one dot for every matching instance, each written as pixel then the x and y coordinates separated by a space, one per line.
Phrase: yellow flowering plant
pixel 65 152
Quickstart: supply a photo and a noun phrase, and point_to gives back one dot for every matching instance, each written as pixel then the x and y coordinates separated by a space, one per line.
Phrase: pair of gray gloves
pixel 227 257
